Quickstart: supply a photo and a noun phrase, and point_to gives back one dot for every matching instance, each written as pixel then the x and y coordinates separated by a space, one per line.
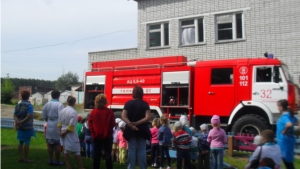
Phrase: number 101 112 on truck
pixel 243 92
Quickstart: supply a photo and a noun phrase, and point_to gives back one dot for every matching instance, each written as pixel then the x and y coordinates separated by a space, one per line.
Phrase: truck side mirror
pixel 276 74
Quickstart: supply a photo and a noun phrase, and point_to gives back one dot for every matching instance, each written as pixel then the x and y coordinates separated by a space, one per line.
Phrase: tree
pixel 7 90
pixel 65 80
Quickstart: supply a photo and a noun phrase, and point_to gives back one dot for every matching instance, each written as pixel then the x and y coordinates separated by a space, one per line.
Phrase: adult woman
pixel 285 129
pixel 101 123
pixel 23 116
pixel 136 114
pixel 50 113
pixel 67 130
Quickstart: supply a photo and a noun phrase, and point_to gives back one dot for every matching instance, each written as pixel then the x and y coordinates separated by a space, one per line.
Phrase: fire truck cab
pixel 243 92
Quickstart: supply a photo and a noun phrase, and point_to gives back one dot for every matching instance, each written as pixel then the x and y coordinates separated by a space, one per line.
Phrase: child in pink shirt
pixel 217 138
pixel 122 143
pixel 154 141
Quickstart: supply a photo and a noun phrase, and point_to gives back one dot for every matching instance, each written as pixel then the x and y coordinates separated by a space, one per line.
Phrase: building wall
pixel 77 94
pixel 269 25
pixel 112 55
pixel 22 88
pixel 64 97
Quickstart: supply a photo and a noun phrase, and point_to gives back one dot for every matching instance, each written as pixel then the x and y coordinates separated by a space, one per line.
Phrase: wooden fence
pixel 244 142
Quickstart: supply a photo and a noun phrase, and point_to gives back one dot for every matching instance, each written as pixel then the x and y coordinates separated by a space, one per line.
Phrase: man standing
pixel 50 114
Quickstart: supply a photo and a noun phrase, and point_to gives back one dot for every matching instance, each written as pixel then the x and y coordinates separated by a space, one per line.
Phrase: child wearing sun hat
pixel 217 138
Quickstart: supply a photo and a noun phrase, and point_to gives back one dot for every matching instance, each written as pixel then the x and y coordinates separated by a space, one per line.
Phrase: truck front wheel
pixel 250 124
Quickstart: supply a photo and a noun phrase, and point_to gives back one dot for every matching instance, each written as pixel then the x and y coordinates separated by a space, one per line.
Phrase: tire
pixel 250 124
pixel 118 114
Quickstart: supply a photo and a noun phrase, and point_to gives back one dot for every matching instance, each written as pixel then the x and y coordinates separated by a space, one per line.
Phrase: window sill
pixel 154 48
pixel 230 41
pixel 196 44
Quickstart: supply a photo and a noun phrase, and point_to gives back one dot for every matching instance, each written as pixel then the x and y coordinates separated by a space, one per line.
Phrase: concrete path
pixel 7 111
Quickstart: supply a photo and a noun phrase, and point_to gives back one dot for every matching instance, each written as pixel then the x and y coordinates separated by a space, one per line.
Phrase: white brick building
pixel 215 29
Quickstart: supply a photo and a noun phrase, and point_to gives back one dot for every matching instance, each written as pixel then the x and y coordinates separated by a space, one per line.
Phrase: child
pixel 115 148
pixel 257 142
pixel 182 142
pixel 217 138
pixel 164 139
pixel 194 147
pixel 184 121
pixel 122 143
pixel 154 142
pixel 88 139
pixel 269 149
pixel 80 134
pixel 203 148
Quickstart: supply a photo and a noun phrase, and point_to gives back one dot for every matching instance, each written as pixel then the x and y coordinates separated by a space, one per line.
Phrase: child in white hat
pixel 122 143
pixel 115 148
pixel 203 148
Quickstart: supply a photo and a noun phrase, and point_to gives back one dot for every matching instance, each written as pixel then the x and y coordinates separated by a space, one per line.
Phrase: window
pixel 229 27
pixel 192 31
pixel 158 35
pixel 264 74
pixel 222 76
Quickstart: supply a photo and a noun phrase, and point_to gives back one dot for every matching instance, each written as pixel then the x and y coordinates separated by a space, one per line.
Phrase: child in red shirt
pixel 182 141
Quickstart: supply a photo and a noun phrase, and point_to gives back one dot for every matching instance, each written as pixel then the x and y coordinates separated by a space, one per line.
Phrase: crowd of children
pixel 207 146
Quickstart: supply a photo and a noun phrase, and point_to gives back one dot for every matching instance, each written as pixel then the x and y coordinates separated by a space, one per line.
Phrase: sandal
pixel 59 163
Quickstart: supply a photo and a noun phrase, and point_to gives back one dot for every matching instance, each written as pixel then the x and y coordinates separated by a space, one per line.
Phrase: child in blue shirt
pixel 203 148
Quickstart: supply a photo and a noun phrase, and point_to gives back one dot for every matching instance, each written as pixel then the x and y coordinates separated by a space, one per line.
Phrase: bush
pixel 14 101
pixel 37 116
pixel 7 90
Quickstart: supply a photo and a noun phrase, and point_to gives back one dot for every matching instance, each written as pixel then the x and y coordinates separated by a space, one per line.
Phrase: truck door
pixel 220 94
pixel 265 90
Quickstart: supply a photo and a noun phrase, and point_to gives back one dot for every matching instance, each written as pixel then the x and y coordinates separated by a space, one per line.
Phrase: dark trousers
pixel 154 153
pixel 107 144
pixel 183 154
pixel 203 161
pixel 164 150
pixel 288 165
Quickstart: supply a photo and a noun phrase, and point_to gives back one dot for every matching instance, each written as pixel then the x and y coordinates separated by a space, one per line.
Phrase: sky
pixel 42 39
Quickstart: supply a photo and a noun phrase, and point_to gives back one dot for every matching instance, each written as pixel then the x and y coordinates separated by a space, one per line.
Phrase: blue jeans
pixel 137 147
pixel 216 158
pixel 89 146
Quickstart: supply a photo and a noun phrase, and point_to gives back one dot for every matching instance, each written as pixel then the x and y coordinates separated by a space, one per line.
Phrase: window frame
pixel 196 30
pixel 281 74
pixel 234 29
pixel 162 33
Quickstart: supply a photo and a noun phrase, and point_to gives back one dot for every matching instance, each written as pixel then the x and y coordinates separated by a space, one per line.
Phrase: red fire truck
pixel 243 92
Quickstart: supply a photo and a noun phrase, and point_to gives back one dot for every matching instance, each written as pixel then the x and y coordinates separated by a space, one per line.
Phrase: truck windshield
pixel 287 73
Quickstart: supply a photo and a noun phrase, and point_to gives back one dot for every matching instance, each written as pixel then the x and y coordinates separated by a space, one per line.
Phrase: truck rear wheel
pixel 250 124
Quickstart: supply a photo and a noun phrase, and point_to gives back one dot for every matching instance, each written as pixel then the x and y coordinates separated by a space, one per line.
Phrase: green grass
pixel 38 153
